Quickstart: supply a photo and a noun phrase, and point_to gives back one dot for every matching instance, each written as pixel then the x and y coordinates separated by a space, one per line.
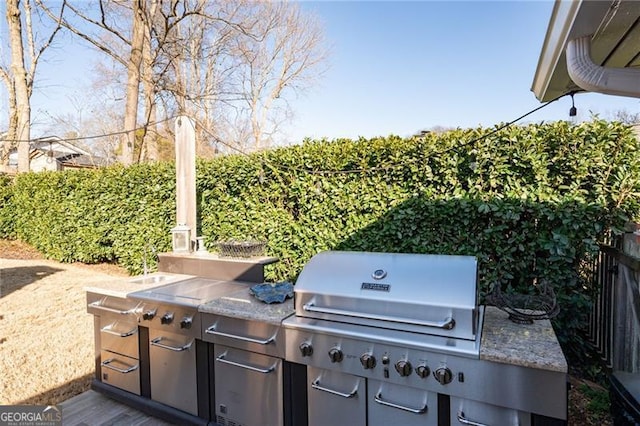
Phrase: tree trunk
pixel 11 132
pixel 20 84
pixel 150 140
pixel 133 82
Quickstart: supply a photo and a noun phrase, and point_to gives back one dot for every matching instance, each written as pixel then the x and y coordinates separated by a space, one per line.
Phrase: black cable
pixel 336 172
pixel 504 126
pixel 80 138
pixel 319 172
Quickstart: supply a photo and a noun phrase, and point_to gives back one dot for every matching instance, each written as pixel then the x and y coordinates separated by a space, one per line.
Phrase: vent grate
pixel 223 421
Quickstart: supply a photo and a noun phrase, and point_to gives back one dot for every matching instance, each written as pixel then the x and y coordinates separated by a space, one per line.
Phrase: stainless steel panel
pixel 336 399
pixel 248 387
pixel 212 266
pixel 178 315
pixel 119 336
pixel 190 293
pixel 391 404
pixel 172 359
pixel 120 371
pixel 499 384
pixel 468 412
pixel 519 387
pixel 395 351
pixel 433 294
pixel 254 336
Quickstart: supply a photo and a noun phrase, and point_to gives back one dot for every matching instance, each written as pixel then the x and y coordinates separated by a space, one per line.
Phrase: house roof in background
pixel 615 30
pixel 44 141
pixel 72 159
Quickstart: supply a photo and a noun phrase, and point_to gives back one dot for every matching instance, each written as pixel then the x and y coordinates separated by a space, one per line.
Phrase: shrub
pixel 531 202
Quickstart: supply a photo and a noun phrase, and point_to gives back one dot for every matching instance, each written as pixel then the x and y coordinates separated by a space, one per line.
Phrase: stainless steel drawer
pixel 254 336
pixel 119 336
pixel 120 371
pixel 99 304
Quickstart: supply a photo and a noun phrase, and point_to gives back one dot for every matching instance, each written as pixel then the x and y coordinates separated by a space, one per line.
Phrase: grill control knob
pixel 403 368
pixel 335 355
pixel 368 361
pixel 306 349
pixel 167 318
pixel 423 371
pixel 148 315
pixel 443 375
pixel 186 322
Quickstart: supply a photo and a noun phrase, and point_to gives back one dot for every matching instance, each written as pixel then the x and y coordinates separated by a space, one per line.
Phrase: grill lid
pixel 431 294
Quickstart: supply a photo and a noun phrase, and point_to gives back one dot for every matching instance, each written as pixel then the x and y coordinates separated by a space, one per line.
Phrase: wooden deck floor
pixel 94 409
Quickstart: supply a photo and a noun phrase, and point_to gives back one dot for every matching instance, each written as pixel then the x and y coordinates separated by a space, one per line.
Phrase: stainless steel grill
pixel 395 339
pixel 427 294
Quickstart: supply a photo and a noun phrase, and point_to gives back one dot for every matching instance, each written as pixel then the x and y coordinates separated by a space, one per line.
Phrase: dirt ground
pixel 46 335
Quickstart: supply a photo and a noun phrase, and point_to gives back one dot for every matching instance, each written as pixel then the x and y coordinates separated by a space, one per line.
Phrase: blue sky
pixel 397 68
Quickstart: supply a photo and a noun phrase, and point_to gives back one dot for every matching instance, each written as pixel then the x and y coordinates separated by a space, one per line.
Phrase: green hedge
pixel 531 202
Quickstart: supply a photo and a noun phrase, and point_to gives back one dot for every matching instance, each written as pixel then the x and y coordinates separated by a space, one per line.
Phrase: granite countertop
pixel 241 304
pixel 528 345
pixel 121 286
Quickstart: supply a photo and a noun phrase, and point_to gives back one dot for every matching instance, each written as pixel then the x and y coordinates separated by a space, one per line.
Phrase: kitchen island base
pixel 148 406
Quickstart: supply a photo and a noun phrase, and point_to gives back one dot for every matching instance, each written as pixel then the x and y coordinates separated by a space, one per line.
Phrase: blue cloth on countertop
pixel 272 293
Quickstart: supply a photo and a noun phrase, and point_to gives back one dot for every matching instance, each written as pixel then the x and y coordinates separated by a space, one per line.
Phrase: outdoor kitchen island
pixel 525 370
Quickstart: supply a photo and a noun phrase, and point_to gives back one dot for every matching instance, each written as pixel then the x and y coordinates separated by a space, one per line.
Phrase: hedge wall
pixel 531 202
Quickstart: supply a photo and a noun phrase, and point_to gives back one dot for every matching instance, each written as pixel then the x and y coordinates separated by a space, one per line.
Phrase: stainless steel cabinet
pixel 172 365
pixel 336 398
pixel 391 404
pixel 248 388
pixel 248 370
pixel 116 341
pixel 468 412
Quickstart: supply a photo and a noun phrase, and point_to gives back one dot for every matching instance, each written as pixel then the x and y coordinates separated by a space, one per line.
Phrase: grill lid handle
pixel 447 324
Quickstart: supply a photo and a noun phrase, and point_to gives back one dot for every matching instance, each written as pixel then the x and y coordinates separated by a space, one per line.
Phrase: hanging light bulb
pixel 573 111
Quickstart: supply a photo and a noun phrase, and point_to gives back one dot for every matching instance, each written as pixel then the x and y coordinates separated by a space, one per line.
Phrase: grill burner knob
pixel 167 318
pixel 335 355
pixel 368 361
pixel 423 371
pixel 186 322
pixel 443 375
pixel 403 368
pixel 148 315
pixel 306 349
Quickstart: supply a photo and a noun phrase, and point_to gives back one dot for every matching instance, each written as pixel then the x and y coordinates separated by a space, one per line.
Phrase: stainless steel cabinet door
pixel 248 388
pixel 468 412
pixel 172 359
pixel 391 404
pixel 336 398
